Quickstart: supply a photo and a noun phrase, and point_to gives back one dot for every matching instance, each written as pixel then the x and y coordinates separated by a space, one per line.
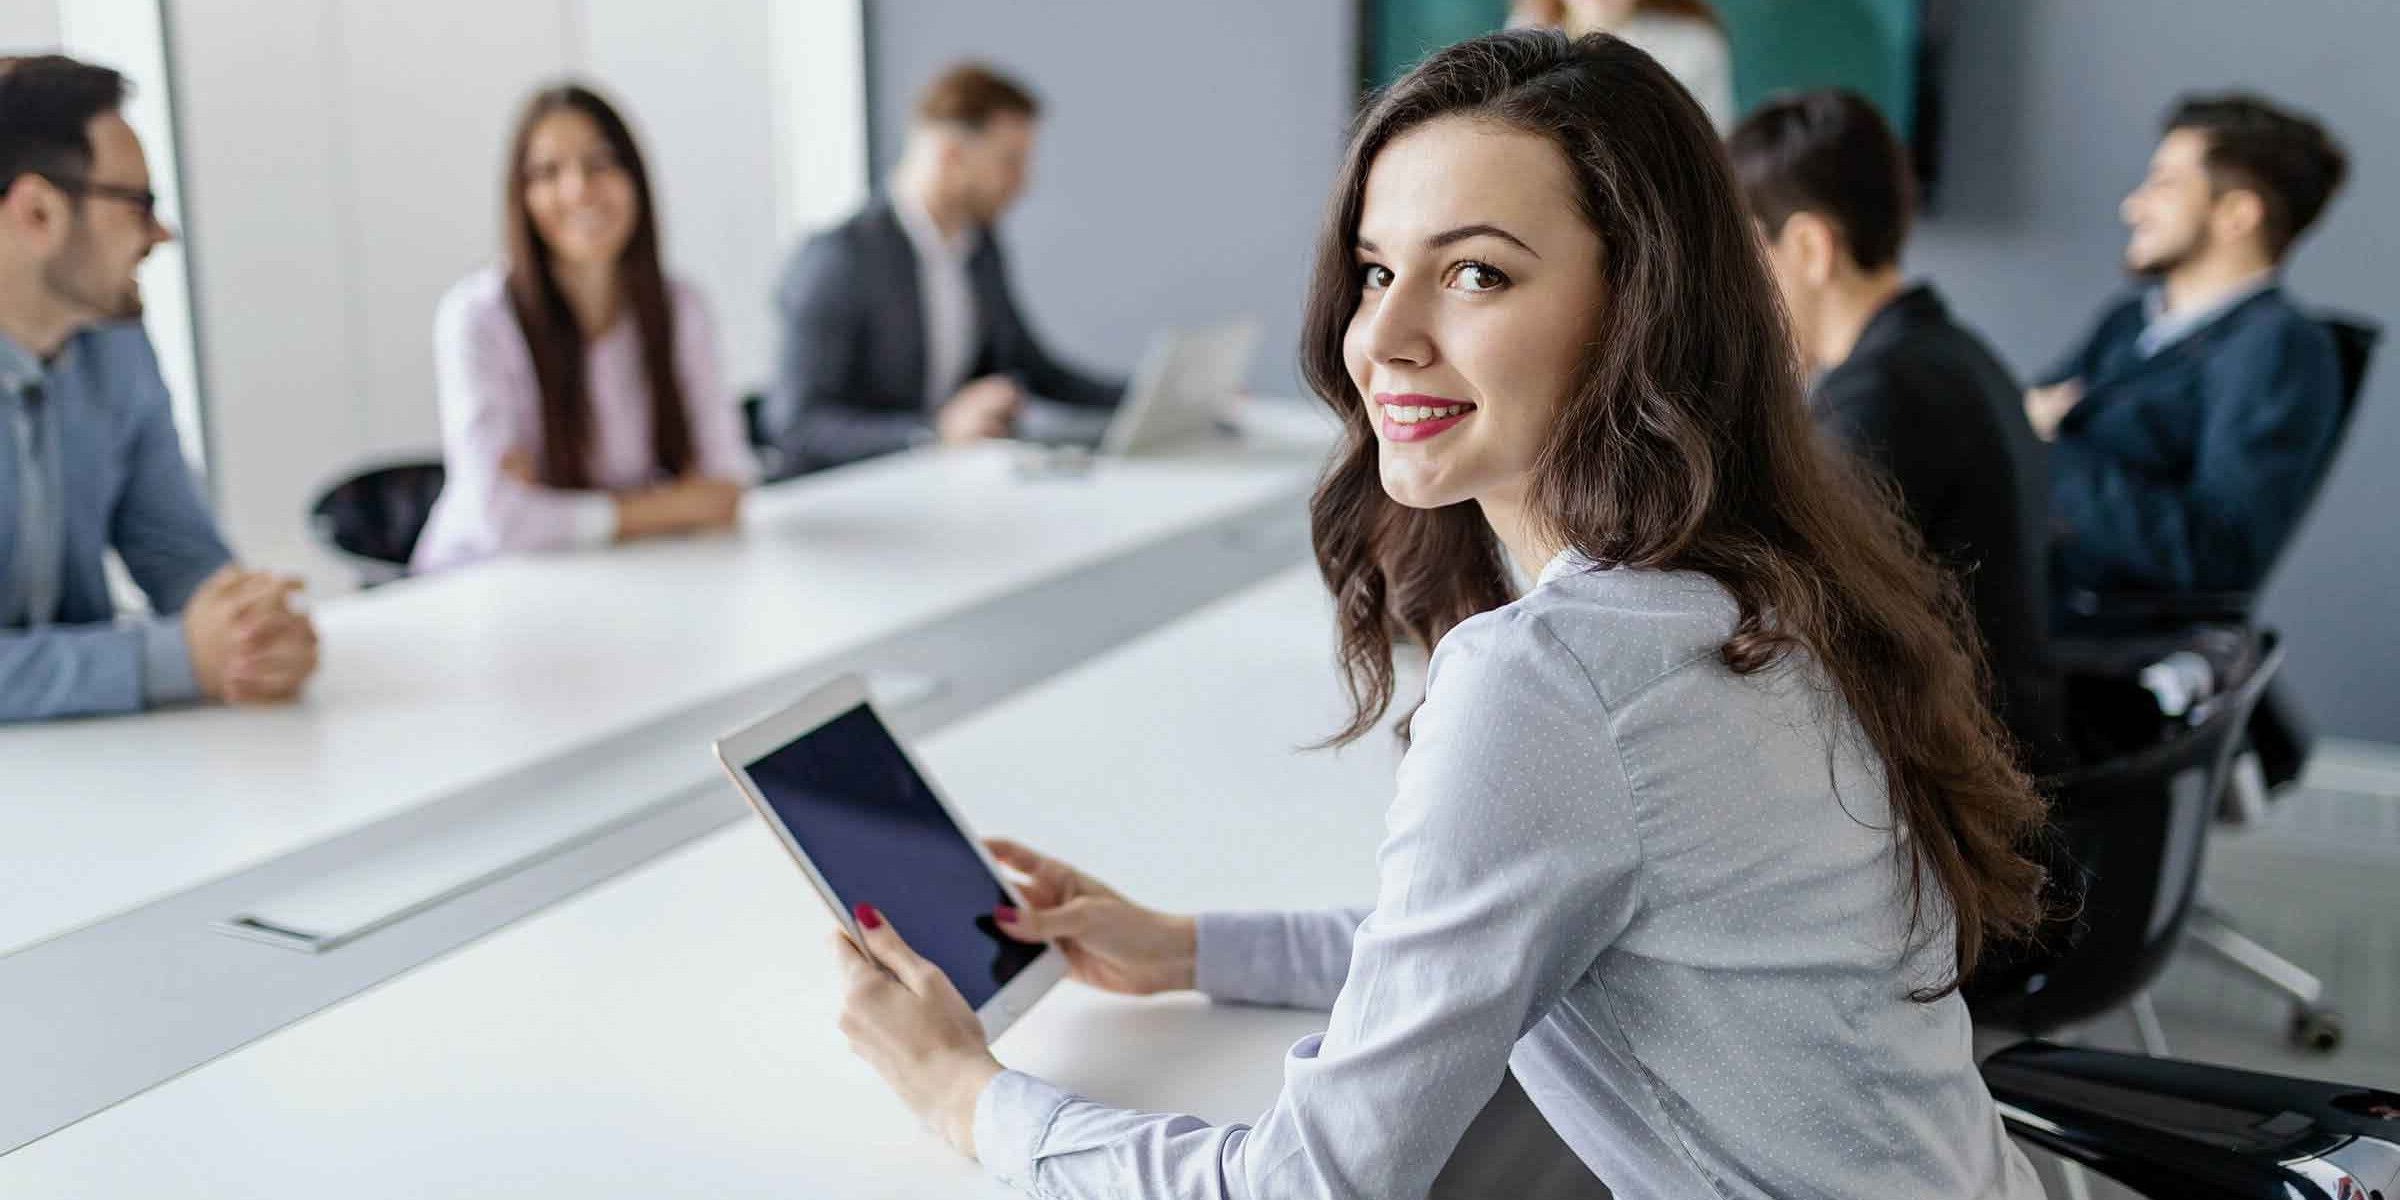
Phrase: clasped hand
pixel 247 644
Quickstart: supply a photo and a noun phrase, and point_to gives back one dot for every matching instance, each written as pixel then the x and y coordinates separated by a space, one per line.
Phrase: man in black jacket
pixel 2189 429
pixel 899 328
pixel 1903 385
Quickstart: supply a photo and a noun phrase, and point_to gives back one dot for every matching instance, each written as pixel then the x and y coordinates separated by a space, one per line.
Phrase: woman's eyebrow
pixel 1450 237
pixel 1464 232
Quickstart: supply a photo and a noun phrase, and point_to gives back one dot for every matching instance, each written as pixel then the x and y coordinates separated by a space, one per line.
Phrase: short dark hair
pixel 2286 158
pixel 971 94
pixel 47 103
pixel 1830 153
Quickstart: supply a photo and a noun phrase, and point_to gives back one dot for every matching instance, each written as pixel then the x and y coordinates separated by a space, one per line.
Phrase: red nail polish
pixel 868 918
pixel 1006 914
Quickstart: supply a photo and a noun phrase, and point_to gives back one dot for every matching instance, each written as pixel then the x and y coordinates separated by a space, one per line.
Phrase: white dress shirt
pixel 947 296
pixel 1664 893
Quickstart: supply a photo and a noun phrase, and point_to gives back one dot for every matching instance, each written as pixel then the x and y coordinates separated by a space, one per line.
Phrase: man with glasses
pixel 89 459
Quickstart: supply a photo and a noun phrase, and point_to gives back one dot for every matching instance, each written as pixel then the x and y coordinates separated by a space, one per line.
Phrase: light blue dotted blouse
pixel 1665 894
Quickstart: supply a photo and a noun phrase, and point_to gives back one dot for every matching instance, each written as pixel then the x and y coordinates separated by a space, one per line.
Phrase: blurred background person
pixel 2189 427
pixel 899 325
pixel 1687 37
pixel 89 459
pixel 581 398
pixel 1903 384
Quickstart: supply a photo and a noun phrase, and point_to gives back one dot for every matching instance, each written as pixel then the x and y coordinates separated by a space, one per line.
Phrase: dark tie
pixel 37 532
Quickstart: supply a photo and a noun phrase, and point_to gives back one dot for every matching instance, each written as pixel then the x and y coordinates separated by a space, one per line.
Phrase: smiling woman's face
pixel 1479 287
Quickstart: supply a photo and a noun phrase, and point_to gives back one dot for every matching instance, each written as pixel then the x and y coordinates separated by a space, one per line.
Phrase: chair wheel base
pixel 2316 1030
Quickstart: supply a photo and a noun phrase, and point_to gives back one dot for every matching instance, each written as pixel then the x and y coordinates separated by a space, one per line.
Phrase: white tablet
pixel 867 827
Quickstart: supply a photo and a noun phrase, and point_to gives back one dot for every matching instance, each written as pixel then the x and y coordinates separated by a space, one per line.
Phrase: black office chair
pixel 2278 739
pixel 2193 1132
pixel 763 445
pixel 2129 834
pixel 2131 831
pixel 373 517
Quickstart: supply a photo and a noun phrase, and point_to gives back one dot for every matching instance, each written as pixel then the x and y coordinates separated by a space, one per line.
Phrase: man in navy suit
pixel 899 324
pixel 2188 428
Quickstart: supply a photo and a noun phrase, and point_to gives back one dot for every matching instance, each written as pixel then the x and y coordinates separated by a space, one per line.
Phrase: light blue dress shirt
pixel 2166 328
pixel 1665 894
pixel 94 464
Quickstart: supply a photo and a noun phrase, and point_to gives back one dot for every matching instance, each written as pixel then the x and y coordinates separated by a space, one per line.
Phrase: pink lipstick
pixel 1413 417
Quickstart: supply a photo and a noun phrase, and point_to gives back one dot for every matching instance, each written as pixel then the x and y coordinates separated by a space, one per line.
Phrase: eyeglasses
pixel 141 198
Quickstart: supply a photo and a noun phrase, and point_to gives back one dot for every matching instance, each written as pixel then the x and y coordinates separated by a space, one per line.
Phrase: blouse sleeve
pixel 723 452
pixel 1284 959
pixel 1510 863
pixel 490 406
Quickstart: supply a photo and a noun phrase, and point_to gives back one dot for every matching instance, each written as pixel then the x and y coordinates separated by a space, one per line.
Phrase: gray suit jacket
pixel 850 380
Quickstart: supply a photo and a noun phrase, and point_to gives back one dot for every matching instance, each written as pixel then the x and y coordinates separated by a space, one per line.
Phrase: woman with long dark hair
pixel 1699 832
pixel 580 395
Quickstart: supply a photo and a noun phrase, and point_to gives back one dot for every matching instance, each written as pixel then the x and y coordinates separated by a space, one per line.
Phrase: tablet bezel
pixel 737 750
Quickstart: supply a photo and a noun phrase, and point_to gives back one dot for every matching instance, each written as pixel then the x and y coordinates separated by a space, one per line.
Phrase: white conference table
pixel 435 685
pixel 671 1032
pixel 482 744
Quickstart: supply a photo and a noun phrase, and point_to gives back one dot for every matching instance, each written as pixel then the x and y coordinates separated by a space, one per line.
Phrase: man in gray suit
pixel 899 327
pixel 89 459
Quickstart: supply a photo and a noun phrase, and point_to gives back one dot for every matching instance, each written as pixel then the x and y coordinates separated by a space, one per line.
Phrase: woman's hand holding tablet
pixel 1109 942
pixel 944 942
pixel 905 1017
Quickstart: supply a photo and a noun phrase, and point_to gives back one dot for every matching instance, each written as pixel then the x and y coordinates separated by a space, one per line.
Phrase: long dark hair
pixel 549 324
pixel 1683 445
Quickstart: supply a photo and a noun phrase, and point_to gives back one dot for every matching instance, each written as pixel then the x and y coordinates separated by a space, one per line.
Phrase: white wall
pixel 676 73
pixel 125 35
pixel 28 25
pixel 344 168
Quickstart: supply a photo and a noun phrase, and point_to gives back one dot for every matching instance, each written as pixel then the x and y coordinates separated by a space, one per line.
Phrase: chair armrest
pixel 2171 1128
pixel 2161 607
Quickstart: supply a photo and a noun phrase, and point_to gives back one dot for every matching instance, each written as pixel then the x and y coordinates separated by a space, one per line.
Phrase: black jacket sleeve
pixel 819 372
pixel 1036 370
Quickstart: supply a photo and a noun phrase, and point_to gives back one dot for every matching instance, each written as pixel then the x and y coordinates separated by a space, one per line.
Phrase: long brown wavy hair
pixel 1683 445
pixel 549 324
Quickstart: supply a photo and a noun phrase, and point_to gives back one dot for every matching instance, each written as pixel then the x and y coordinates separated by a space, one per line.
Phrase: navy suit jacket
pixel 850 379
pixel 2187 471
